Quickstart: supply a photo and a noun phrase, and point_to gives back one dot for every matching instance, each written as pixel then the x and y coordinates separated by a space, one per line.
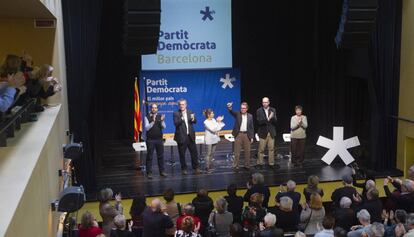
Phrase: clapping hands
pixel 219 119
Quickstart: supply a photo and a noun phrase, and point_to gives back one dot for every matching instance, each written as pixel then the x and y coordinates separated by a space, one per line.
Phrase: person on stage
pixel 243 132
pixel 154 124
pixel 266 120
pixel 185 136
pixel 211 136
pixel 298 125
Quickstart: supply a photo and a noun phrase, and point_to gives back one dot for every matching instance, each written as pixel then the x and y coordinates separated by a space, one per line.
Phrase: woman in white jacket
pixel 211 137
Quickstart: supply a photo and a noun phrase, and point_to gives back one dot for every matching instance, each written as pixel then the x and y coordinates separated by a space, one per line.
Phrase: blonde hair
pixel 188 224
pixel 315 201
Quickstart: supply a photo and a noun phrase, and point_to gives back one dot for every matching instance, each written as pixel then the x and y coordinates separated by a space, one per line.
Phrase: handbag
pixel 302 227
pixel 211 228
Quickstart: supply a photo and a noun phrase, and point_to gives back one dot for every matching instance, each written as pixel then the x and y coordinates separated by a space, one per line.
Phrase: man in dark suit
pixel 266 120
pixel 243 132
pixel 185 135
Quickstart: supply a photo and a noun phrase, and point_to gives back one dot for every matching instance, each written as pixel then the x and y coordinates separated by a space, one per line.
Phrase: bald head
pixel 265 102
pixel 156 205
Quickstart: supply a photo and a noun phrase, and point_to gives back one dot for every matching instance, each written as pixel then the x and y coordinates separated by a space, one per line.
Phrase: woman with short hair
pixel 312 214
pixel 298 125
pixel 211 137
pixel 221 219
pixel 89 227
pixel 107 211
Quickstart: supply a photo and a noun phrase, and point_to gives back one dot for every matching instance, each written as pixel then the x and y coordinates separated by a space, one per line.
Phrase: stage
pixel 121 170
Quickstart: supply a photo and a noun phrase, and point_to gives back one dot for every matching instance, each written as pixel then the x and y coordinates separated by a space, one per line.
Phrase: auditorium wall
pixel 405 145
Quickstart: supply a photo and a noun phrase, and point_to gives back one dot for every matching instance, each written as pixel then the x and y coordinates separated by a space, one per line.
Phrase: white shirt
pixel 243 126
pixel 266 112
pixel 211 133
pixel 184 114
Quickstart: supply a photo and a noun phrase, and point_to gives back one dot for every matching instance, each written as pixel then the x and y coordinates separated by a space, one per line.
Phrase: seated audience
pixel 410 225
pixel 235 203
pixel 345 215
pixel 121 230
pixel 173 208
pixel 290 192
pixel 221 219
pixel 405 200
pixel 89 227
pixel 137 208
pixel 268 228
pixel 346 191
pixel 286 216
pixel 156 223
pixel 188 228
pixel 203 206
pixel 328 223
pixel 312 187
pixel 189 210
pixel 372 204
pixel 395 222
pixel 364 219
pixel 107 211
pixel 257 186
pixel 312 214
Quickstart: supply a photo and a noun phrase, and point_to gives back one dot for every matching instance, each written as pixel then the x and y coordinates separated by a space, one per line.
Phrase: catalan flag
pixel 137 113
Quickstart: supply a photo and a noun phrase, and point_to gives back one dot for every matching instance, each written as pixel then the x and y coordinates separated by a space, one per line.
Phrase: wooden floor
pixel 120 171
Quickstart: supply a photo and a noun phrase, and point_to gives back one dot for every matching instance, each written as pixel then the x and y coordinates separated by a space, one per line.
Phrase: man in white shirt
pixel 243 132
pixel 185 136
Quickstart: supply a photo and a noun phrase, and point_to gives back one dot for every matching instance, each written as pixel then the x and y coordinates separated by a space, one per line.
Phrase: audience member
pixel 188 228
pixel 89 227
pixel 253 214
pixel 372 204
pixel 203 206
pixel 395 222
pixel 346 191
pixel 375 230
pixel 340 232
pixel 156 223
pixel 221 219
pixel 312 214
pixel 410 225
pixel 312 187
pixel 173 208
pixel 268 228
pixel 344 214
pixel 137 208
pixel 107 211
pixel 328 223
pixel 406 198
pixel 256 185
pixel 364 219
pixel 287 217
pixel 121 230
pixel 290 192
pixel 189 210
pixel 235 203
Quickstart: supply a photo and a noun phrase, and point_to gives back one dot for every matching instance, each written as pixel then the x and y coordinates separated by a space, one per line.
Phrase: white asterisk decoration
pixel 338 146
pixel 227 81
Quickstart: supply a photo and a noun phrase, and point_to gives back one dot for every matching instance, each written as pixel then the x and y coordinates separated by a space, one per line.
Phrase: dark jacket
pixel 264 125
pixel 295 196
pixel 238 117
pixel 404 201
pixel 345 218
pixel 181 128
pixel 203 207
pixel 288 221
pixel 271 232
pixel 235 206
pixel 374 207
pixel 346 191
pixel 121 233
pixel 258 189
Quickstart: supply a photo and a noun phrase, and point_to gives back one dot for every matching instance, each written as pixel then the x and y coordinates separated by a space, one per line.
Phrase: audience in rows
pixel 352 214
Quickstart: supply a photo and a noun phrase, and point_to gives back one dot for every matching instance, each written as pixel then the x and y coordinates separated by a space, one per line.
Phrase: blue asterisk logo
pixel 207 14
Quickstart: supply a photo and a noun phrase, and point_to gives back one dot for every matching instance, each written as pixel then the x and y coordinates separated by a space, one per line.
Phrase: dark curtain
pixel 100 83
pixel 81 21
pixel 385 62
pixel 286 51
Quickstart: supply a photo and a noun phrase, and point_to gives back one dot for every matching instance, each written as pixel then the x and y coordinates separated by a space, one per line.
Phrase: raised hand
pixel 118 197
pixel 162 117
pixel 219 119
pixel 197 227
pixel 192 117
pixel 229 105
